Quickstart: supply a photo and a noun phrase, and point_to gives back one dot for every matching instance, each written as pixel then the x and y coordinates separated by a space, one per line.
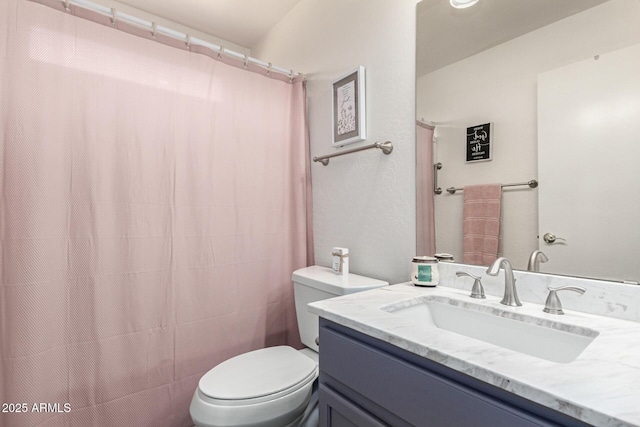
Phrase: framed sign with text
pixel 479 143
pixel 349 119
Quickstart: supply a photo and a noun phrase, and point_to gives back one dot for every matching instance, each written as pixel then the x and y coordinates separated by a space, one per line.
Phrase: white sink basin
pixel 538 337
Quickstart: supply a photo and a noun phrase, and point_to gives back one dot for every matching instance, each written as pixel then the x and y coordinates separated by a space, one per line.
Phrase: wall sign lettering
pixel 479 143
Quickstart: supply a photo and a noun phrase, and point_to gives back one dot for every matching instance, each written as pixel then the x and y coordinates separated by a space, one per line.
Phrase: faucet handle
pixel 477 291
pixel 553 305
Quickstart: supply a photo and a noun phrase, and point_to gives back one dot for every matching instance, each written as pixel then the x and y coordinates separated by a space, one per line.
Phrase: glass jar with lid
pixel 424 271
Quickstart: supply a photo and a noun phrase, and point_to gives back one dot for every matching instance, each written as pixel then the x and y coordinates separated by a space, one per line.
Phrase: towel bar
pixel 386 147
pixel 532 184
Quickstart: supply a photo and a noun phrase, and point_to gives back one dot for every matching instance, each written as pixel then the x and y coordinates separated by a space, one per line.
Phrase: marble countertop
pixel 600 387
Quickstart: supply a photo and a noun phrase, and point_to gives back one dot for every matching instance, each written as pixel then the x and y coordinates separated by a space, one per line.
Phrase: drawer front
pixel 416 395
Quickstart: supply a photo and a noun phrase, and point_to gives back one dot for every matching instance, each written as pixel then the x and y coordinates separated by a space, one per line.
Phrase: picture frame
pixel 349 110
pixel 479 143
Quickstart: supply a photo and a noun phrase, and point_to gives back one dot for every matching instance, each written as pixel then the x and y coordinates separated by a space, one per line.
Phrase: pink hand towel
pixel 481 223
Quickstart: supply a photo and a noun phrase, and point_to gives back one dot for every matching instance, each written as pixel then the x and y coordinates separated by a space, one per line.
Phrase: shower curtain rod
pixel 433 124
pixel 155 29
pixel 426 124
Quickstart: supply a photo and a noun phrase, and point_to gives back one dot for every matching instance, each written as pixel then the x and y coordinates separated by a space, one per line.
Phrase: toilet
pixel 271 387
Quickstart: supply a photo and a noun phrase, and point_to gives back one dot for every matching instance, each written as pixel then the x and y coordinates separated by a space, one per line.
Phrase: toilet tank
pixel 317 283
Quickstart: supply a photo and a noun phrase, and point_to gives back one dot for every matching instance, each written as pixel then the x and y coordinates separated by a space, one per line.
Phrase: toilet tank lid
pixel 324 279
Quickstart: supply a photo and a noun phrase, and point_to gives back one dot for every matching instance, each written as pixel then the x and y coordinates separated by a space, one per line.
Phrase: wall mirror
pixel 558 82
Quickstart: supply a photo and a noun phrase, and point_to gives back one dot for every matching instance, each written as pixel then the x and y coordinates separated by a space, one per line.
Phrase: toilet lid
pixel 258 373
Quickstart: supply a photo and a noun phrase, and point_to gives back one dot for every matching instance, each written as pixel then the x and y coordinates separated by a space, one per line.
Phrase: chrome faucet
pixel 510 293
pixel 535 259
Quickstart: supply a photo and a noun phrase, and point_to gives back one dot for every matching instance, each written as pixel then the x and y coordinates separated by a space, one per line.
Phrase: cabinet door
pixel 336 411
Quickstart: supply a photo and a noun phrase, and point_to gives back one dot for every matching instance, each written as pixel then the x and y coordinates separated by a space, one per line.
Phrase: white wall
pixel 499 86
pixel 363 201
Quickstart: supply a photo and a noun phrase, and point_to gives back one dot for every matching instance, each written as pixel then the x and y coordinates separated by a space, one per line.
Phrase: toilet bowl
pixel 271 387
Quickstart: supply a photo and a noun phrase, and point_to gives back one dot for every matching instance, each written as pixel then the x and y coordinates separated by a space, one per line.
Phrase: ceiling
pixel 446 35
pixel 243 22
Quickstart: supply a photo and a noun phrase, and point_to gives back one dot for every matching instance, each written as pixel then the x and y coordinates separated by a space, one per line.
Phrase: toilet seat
pixel 258 376
pixel 271 383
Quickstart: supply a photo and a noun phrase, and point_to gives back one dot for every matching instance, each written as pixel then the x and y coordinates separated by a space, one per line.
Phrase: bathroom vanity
pixel 368 382
pixel 386 360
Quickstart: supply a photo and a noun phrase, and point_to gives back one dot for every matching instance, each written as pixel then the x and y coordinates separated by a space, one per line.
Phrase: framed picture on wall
pixel 479 141
pixel 349 118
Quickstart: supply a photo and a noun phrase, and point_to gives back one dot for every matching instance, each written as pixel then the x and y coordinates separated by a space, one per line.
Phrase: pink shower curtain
pixel 425 215
pixel 153 207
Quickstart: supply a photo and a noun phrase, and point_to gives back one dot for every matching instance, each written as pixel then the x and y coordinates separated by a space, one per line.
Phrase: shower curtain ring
pixel 246 61
pixel 154 30
pixel 188 42
pixel 291 77
pixel 114 16
pixel 221 52
pixel 269 69
pixel 67 6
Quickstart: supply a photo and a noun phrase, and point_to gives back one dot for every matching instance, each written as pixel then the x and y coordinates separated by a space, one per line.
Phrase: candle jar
pixel 424 271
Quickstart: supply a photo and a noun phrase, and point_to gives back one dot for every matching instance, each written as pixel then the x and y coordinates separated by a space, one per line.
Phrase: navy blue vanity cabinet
pixel 365 382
